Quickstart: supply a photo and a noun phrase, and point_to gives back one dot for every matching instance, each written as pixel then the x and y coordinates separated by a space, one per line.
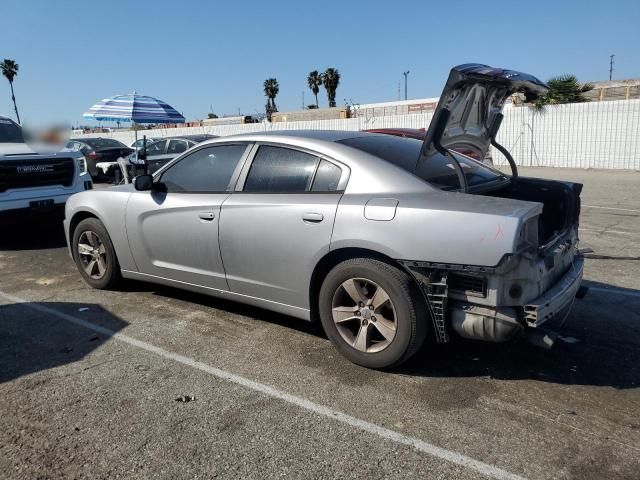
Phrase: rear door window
pixel 176 147
pixel 327 177
pixel 206 170
pixel 156 148
pixel 280 170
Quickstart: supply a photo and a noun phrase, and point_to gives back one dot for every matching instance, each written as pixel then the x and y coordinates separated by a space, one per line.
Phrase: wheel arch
pixel 78 217
pixel 330 260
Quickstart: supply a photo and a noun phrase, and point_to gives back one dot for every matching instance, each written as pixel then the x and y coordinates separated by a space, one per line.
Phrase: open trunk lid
pixel 470 106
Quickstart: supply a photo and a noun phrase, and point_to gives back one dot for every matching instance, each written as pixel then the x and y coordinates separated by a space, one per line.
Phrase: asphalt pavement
pixel 153 382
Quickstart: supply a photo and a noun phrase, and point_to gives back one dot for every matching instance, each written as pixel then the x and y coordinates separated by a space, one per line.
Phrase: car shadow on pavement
pixel 33 233
pixel 599 345
pixel 33 340
pixel 237 308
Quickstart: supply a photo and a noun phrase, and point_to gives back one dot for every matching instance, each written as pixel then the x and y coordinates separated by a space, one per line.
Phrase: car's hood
pixel 472 100
pixel 14 149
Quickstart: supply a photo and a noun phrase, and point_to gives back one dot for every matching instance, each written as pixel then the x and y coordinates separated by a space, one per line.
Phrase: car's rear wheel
pixel 372 312
pixel 94 255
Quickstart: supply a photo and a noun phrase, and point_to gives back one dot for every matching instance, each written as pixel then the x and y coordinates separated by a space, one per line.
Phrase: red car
pixel 419 133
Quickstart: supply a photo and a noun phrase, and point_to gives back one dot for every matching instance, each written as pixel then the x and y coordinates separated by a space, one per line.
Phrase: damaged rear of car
pixel 498 290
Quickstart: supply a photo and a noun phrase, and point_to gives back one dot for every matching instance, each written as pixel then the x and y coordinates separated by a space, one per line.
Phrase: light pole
pixel 406 74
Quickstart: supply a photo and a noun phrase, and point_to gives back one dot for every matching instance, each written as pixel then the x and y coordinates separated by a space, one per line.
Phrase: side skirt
pixel 297 312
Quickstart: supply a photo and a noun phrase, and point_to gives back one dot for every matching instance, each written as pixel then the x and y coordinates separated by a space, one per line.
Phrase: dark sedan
pixel 97 150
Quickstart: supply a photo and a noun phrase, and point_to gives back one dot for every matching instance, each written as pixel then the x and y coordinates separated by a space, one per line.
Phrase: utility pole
pixel 611 66
pixel 406 74
pixel 398 90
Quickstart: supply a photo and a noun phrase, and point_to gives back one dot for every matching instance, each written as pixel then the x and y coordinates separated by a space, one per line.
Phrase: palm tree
pixel 271 89
pixel 331 79
pixel 563 89
pixel 10 70
pixel 314 80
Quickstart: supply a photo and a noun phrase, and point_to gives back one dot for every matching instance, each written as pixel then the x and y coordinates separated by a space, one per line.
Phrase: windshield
pixel 10 132
pixel 98 143
pixel 438 170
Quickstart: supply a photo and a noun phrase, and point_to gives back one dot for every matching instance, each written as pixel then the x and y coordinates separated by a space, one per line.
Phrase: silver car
pixel 384 239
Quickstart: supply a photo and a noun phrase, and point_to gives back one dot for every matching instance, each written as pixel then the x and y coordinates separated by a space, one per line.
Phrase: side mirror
pixel 142 154
pixel 143 182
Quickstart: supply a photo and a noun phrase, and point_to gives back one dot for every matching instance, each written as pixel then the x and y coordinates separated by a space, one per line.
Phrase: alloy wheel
pixel 92 254
pixel 364 315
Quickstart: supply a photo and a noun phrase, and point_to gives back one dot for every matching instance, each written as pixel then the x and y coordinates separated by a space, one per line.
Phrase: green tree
pixel 10 70
pixel 331 80
pixel 314 80
pixel 271 89
pixel 563 89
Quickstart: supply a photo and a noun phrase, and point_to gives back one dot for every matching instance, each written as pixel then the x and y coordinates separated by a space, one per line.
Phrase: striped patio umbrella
pixel 133 108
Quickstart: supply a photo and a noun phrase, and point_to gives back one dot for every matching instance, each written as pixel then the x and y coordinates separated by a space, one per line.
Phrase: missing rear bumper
pixel 558 299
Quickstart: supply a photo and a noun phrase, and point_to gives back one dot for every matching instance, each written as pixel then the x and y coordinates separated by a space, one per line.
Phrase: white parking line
pixel 612 208
pixel 420 445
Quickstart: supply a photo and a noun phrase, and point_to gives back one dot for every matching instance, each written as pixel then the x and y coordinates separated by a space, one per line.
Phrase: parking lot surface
pixel 89 379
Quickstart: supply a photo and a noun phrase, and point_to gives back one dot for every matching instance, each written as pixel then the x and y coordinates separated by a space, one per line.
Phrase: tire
pixel 378 346
pixel 105 272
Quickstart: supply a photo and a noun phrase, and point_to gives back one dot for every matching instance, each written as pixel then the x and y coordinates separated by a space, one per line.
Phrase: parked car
pixel 36 181
pixel 382 238
pixel 99 150
pixel 419 133
pixel 162 151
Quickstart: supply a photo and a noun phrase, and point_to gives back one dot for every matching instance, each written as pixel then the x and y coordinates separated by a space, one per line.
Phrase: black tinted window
pixel 327 177
pixel 277 169
pixel 10 132
pixel 404 152
pixel 206 170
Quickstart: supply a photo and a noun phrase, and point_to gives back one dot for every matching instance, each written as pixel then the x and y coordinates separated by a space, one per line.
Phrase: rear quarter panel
pixel 435 226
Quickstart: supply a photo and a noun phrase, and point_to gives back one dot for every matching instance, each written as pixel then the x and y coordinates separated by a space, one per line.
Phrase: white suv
pixel 36 181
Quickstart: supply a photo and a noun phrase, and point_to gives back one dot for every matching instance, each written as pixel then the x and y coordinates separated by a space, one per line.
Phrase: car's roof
pixel 325 135
pixel 397 130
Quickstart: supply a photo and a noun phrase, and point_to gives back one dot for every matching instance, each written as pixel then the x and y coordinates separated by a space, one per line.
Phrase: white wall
pixel 579 135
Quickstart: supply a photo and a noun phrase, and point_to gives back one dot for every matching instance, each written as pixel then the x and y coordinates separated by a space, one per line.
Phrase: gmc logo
pixel 34 168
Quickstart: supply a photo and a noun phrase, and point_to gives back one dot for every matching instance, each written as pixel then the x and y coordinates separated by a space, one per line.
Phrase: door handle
pixel 312 217
pixel 207 216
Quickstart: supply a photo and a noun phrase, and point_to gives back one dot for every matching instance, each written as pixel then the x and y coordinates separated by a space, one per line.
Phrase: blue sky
pixel 197 54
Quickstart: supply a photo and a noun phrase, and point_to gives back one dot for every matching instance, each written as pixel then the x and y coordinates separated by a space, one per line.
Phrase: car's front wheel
pixel 372 312
pixel 94 254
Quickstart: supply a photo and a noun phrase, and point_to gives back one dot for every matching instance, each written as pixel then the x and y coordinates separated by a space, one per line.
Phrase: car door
pixel 174 233
pixel 278 222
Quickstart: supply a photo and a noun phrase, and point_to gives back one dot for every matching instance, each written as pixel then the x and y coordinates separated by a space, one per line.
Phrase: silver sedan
pixel 383 239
